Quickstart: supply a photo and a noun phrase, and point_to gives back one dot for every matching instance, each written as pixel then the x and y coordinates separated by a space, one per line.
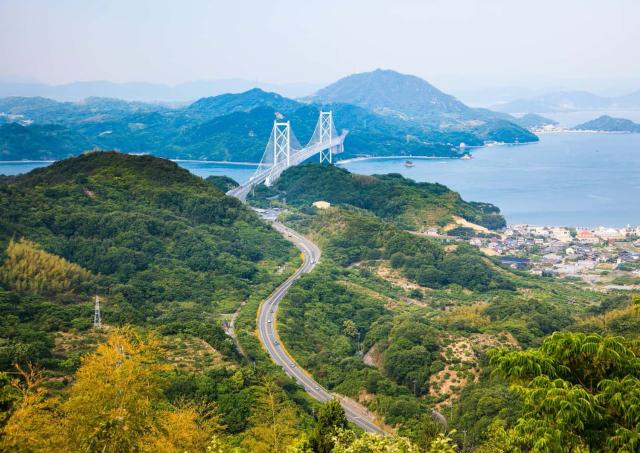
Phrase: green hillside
pixel 232 127
pixel 389 92
pixel 165 246
pixel 403 323
pixel 392 197
pixel 609 124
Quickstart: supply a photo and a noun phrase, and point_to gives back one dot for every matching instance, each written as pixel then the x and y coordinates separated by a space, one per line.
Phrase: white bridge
pixel 284 151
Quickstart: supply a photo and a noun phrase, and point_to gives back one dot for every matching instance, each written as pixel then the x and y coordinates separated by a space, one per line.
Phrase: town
pixel 609 257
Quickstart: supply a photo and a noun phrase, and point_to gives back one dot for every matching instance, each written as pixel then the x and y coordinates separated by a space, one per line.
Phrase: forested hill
pixel 236 127
pixel 163 246
pixel 609 124
pixel 407 203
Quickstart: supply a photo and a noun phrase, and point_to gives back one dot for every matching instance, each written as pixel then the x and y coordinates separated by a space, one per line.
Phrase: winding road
pixel 267 330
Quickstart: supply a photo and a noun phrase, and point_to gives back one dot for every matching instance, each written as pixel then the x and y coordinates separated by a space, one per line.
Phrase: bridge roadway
pixel 268 332
pixel 296 158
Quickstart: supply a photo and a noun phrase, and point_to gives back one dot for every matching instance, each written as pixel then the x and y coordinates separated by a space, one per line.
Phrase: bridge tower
pixel 326 129
pixel 281 148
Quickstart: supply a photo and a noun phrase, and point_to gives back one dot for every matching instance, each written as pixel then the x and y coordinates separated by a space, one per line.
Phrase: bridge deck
pixel 274 172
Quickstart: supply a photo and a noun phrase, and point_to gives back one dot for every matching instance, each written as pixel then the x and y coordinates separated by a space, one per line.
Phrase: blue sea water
pixel 572 179
pixel 239 172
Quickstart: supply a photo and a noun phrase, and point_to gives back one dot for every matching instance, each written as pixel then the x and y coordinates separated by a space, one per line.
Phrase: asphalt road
pixel 269 337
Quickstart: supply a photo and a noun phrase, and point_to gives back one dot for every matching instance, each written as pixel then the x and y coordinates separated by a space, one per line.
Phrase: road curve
pixel 269 336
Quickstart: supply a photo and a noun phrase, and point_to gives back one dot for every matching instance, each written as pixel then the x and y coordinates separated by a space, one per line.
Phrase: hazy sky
pixel 462 43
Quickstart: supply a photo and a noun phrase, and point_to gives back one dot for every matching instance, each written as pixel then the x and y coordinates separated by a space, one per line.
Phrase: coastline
pixel 255 164
pixel 218 162
pixel 579 131
pixel 358 159
pixel 468 147
pixel 27 161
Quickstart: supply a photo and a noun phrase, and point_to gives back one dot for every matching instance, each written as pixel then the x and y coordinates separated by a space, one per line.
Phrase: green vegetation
pixel 28 268
pixel 578 392
pixel 124 398
pixel 609 124
pixel 222 183
pixel 169 253
pixel 402 323
pixel 351 235
pixel 165 247
pixel 392 197
pixel 409 98
pixel 424 332
pixel 233 127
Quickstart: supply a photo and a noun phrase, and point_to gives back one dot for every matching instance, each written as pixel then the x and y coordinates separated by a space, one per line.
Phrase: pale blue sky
pixel 464 43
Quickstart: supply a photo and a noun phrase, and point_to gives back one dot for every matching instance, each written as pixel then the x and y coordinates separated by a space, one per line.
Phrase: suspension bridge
pixel 283 151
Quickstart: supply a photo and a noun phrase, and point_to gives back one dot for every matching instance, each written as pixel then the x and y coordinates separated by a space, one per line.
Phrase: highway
pixel 267 330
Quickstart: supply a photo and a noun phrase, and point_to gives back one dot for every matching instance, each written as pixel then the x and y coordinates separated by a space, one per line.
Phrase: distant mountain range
pixel 563 101
pixel 149 92
pixel 386 113
pixel 609 124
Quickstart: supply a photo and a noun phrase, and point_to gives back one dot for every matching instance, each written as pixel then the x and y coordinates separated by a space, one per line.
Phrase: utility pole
pixel 97 320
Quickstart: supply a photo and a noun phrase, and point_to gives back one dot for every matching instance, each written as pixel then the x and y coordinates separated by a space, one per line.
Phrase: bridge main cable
pixel 283 151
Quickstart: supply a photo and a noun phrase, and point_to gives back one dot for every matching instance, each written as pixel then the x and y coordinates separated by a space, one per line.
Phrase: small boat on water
pixel 467 157
pixel 409 164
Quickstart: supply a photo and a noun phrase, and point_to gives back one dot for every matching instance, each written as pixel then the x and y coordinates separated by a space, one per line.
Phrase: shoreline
pixel 580 131
pixel 358 159
pixel 218 162
pixel 571 227
pixel 27 161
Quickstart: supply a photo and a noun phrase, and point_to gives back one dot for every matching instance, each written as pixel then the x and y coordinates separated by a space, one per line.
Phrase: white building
pixel 610 234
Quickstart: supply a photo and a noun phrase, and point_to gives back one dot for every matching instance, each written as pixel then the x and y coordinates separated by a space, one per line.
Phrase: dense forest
pixel 231 127
pixel 174 261
pixel 405 324
pixel 410 205
pixel 451 350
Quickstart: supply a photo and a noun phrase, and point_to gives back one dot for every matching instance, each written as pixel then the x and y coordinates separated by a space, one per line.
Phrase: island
pixel 606 123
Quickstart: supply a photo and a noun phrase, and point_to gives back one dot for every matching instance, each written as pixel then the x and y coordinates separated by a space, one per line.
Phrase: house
pixel 610 234
pixel 561 234
pixel 586 236
pixel 551 258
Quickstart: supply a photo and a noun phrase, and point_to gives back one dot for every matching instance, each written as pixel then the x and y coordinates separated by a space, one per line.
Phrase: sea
pixel 566 179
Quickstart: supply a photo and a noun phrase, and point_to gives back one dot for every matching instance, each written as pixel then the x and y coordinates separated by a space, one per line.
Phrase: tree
pixel 112 402
pixel 331 418
pixel 347 441
pixel 115 405
pixel 578 392
pixel 7 398
pixel 272 420
pixel 34 421
pixel 350 329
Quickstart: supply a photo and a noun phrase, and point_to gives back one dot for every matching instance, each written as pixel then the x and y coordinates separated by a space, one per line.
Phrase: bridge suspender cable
pixel 283 151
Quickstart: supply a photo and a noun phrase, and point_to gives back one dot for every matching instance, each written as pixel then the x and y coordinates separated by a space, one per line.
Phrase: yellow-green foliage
pixel 29 268
pixel 116 404
pixel 472 315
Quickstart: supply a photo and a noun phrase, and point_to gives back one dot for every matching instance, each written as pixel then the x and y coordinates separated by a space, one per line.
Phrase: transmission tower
pixel 326 123
pixel 97 320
